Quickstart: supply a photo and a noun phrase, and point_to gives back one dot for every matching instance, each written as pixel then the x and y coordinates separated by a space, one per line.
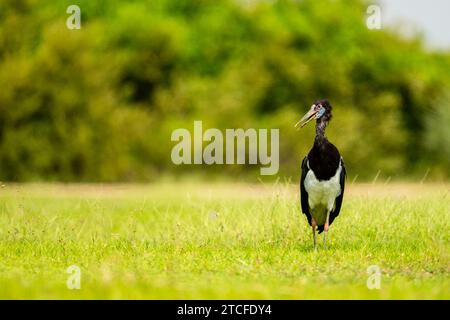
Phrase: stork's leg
pixel 314 225
pixel 325 229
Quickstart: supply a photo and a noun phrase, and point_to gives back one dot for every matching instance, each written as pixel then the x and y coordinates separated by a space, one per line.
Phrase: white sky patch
pixel 427 17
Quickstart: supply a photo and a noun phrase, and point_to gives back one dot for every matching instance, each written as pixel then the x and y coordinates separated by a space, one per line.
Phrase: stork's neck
pixel 320 133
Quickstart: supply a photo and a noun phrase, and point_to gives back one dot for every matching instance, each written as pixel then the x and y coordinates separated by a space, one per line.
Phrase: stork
pixel 323 176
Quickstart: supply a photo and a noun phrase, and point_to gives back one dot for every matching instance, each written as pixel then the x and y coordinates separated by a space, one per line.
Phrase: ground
pixel 228 241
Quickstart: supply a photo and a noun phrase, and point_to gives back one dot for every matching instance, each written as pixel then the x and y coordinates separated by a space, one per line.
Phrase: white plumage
pixel 322 194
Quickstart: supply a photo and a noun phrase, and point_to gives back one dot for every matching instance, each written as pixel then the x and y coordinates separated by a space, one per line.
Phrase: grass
pixel 220 241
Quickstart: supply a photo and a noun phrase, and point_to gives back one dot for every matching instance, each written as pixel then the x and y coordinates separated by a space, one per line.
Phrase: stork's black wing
pixel 303 193
pixel 338 204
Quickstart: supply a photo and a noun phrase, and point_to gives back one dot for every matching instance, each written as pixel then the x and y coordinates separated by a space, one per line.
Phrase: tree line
pixel 99 103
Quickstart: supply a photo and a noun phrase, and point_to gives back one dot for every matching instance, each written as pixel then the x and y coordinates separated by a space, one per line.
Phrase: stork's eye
pixel 320 112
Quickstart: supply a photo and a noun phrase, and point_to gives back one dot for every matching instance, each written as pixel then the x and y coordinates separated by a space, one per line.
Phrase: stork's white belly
pixel 322 194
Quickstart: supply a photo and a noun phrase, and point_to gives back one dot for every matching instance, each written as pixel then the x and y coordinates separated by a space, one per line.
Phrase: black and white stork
pixel 323 174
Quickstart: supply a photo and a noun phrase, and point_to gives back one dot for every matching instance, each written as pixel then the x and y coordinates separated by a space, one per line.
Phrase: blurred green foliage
pixel 100 103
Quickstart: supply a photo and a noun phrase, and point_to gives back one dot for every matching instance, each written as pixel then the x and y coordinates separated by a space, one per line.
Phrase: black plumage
pixel 304 195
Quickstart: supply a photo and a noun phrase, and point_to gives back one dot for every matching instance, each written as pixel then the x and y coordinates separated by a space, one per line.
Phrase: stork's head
pixel 320 110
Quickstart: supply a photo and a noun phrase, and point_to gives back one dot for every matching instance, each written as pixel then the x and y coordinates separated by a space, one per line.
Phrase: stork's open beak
pixel 307 117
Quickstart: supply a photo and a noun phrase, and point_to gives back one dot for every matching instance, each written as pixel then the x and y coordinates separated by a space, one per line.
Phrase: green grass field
pixel 214 241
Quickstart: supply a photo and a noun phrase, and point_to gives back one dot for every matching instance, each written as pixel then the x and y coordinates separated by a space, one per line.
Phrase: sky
pixel 431 17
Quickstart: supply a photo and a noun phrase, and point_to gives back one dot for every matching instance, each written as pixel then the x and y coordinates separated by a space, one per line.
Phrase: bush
pixel 100 103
